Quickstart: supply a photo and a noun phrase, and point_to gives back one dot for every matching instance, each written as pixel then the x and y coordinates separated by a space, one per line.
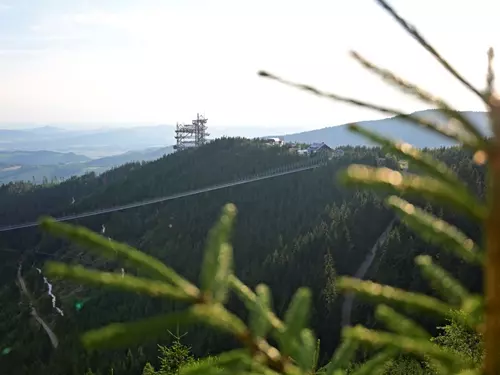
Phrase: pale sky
pixel 161 61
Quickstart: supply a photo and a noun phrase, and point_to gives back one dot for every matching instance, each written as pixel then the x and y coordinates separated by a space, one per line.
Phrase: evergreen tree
pixel 276 336
pixel 149 370
pixel 174 356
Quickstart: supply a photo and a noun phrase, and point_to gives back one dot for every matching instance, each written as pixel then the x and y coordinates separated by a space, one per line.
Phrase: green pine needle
pixel 468 132
pixel 436 231
pixel 394 296
pixel 342 355
pixel 297 314
pixel 217 262
pixel 216 316
pixel 417 346
pixel 375 365
pixel 117 251
pixel 306 357
pixel 421 186
pixel 253 304
pixel 427 125
pixel 120 335
pixel 442 281
pixel 116 281
pixel 259 324
pixel 423 160
pixel 238 357
pixel 399 323
pixel 296 319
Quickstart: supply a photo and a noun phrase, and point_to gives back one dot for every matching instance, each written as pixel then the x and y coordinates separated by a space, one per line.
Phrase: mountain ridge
pixel 36 166
pixel 395 127
pixel 92 143
pixel 297 230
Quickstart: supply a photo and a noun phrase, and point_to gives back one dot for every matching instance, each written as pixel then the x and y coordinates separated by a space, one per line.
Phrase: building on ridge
pixel 319 148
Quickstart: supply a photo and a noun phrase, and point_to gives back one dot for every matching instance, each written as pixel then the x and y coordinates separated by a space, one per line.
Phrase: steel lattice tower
pixel 191 135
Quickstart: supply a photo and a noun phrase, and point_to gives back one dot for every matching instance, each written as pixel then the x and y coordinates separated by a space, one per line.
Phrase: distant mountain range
pixel 53 152
pixel 96 143
pixel 92 143
pixel 40 157
pixel 396 127
pixel 37 165
pixel 107 142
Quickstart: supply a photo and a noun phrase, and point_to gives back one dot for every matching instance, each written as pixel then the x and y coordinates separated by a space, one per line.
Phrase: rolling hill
pixel 92 143
pixel 40 157
pixel 114 147
pixel 37 166
pixel 301 229
pixel 396 127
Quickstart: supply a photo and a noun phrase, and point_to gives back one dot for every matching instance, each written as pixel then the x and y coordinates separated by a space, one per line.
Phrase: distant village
pixel 305 149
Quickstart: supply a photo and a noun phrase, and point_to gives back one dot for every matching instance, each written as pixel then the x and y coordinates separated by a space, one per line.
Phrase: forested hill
pixel 296 230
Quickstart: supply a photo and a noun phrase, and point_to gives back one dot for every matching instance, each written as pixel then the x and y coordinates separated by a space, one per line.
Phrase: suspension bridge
pixel 276 172
pixel 311 163
pixel 272 173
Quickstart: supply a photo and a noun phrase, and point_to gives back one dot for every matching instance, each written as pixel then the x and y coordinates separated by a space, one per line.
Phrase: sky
pixel 81 62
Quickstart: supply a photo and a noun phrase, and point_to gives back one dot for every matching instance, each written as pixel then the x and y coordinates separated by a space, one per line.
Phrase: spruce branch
pixel 375 364
pixel 236 357
pixel 467 127
pixel 422 160
pixel 412 30
pixel 447 132
pixel 452 291
pixel 206 304
pixel 395 296
pixel 233 362
pixel 297 314
pixel 490 75
pixel 342 355
pixel 117 251
pixel 296 339
pixel 306 357
pixel 118 335
pixel 399 323
pixel 418 346
pixel 436 231
pixel 218 258
pixel 255 305
pixel 258 322
pixel 117 281
pixel 430 188
pixel 442 281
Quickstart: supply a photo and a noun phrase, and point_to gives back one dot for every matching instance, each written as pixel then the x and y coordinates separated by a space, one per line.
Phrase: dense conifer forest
pixel 301 229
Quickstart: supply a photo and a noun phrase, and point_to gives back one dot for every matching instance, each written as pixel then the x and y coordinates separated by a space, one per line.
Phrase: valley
pixel 298 229
pixel 42 167
pixel 283 238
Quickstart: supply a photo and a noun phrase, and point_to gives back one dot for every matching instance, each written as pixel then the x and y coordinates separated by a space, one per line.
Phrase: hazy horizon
pixel 219 129
pixel 156 62
pixel 243 130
